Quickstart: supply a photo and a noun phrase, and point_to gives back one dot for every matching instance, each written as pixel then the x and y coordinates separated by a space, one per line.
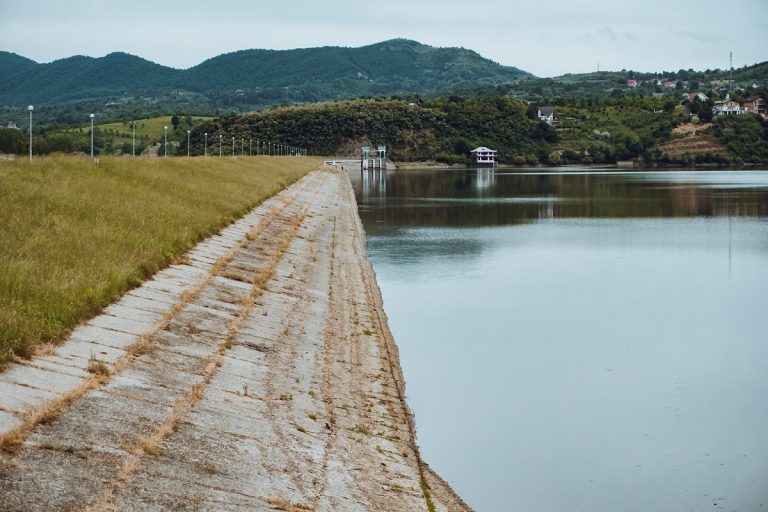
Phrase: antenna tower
pixel 730 74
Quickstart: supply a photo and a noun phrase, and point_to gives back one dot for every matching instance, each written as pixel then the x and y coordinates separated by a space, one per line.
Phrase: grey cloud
pixel 630 35
pixel 704 37
pixel 607 32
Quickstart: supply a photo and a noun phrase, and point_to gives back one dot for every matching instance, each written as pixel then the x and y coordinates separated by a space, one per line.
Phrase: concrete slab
pixel 201 346
pixel 188 271
pixel 40 378
pixel 145 292
pixel 183 278
pixel 129 313
pixel 19 399
pixel 9 421
pixel 55 477
pixel 60 365
pixel 104 336
pixel 172 288
pixel 155 374
pixel 233 283
pixel 104 421
pixel 120 324
pixel 196 308
pixel 208 299
pixel 85 351
pixel 193 321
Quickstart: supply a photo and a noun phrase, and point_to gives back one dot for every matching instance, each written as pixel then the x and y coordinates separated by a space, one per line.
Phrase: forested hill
pixel 255 77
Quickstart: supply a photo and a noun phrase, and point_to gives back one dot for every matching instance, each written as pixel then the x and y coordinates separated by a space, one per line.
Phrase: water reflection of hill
pixel 490 198
pixel 415 246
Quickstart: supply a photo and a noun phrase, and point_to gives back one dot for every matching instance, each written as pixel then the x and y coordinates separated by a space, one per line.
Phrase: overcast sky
pixel 544 37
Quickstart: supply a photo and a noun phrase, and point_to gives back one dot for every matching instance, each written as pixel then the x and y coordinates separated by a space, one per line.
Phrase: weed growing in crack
pixel 150 448
pixel 97 367
pixel 360 429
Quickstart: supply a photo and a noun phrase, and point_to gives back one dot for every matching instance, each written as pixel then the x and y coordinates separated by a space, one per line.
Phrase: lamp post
pixel 92 116
pixel 165 140
pixel 250 147
pixel 242 146
pixel 133 147
pixel 30 108
pixel 221 139
pixel 188 132
pixel 206 143
pixel 233 147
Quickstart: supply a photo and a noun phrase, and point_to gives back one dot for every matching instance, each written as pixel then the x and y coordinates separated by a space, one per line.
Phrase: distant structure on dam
pixel 373 159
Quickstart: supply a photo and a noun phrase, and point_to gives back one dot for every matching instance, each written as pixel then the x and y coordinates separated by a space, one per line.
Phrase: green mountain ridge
pixel 256 77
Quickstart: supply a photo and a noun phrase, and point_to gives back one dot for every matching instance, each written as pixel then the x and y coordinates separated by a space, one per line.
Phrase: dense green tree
pixel 12 141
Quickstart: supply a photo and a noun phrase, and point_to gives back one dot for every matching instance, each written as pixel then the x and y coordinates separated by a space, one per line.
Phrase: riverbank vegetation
pixel 77 235
pixel 645 131
pixel 443 129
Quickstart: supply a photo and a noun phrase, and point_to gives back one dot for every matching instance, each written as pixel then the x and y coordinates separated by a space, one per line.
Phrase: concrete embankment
pixel 259 374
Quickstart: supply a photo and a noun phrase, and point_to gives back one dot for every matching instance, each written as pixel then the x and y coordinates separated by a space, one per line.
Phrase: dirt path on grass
pixel 258 375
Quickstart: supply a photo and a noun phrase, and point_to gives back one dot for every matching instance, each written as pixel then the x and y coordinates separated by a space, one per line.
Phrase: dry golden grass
pixel 75 236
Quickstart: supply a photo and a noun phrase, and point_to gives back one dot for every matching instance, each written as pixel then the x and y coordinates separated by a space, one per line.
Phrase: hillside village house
pixel 700 95
pixel 483 156
pixel 631 83
pixel 727 107
pixel 755 105
pixel 547 114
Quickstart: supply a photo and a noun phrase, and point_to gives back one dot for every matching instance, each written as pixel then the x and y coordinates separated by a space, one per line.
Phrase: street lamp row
pixel 263 148
pixel 271 148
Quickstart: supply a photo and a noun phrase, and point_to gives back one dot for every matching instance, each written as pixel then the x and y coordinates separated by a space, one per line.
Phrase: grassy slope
pixel 151 127
pixel 76 236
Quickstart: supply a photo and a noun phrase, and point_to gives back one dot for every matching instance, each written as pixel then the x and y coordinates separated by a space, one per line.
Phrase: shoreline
pixel 624 165
pixel 259 373
pixel 439 490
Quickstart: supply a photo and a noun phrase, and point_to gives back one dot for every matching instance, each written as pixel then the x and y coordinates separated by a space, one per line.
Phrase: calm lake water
pixel 581 340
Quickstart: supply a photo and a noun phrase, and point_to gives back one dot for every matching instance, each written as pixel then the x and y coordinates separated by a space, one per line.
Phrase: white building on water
pixel 483 156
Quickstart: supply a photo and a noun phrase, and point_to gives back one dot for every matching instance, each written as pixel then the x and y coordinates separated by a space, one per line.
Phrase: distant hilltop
pixel 256 77
pixel 120 86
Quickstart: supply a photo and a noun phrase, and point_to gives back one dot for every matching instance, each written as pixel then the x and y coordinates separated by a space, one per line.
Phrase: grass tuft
pixel 97 367
pixel 150 448
pixel 361 429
